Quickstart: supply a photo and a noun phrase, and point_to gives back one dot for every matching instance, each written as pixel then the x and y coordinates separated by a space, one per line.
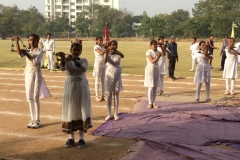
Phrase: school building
pixel 74 8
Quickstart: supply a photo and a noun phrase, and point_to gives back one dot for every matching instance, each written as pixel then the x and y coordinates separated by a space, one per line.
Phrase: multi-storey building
pixel 73 8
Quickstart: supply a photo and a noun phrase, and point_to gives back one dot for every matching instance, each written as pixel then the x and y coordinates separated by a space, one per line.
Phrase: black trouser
pixel 171 66
pixel 223 60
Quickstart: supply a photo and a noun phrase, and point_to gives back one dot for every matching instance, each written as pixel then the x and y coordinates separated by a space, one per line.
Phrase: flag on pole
pixel 232 33
pixel 106 33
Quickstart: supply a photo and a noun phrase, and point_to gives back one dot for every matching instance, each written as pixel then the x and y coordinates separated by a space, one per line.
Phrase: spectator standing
pixel 49 47
pixel 172 57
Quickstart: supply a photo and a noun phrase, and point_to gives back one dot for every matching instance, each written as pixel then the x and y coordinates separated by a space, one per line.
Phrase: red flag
pixel 106 33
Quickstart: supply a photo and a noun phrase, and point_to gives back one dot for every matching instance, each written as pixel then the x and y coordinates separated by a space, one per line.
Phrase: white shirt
pixel 49 45
pixel 194 47
pixel 99 59
pixel 153 54
pixel 237 45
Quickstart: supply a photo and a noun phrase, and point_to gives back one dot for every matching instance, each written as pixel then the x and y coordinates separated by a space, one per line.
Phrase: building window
pixel 72 16
pixel 79 2
pixel 65 1
pixel 65 14
pixel 85 1
pixel 106 1
pixel 65 8
pixel 58 7
pixel 48 1
pixel 57 0
pixel 48 7
pixel 79 8
pixel 72 10
pixel 72 4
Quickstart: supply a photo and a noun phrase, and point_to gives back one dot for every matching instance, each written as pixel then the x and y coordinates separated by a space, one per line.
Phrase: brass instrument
pixel 12 46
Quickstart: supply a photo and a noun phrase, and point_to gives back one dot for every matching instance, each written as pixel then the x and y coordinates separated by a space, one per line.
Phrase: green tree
pixel 9 21
pixel 173 22
pixel 31 20
pixel 219 14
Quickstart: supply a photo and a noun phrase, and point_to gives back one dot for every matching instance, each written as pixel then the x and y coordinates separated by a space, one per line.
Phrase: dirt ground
pixel 47 142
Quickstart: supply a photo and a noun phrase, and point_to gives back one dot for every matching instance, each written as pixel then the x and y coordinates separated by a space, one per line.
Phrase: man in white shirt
pixel 49 47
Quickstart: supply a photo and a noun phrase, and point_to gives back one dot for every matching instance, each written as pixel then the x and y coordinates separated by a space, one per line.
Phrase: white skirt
pixel 76 109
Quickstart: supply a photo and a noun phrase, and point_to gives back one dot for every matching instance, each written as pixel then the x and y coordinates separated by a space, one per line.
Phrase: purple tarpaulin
pixel 143 150
pixel 182 123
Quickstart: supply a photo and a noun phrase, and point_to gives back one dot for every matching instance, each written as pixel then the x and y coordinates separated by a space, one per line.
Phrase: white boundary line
pixel 59 103
pixel 10 73
pixel 44 116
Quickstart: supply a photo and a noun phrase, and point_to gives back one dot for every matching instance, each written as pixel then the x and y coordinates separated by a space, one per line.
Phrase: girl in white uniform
pixel 99 68
pixel 113 79
pixel 193 49
pixel 152 73
pixel 203 70
pixel 230 72
pixel 34 83
pixel 162 64
pixel 76 108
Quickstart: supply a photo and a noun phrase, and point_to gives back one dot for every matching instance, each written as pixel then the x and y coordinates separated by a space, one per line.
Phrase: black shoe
pixel 69 143
pixel 81 143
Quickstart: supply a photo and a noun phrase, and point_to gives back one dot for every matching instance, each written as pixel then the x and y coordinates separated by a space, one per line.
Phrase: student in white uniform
pixel 99 68
pixel 152 73
pixel 230 72
pixel 34 83
pixel 162 63
pixel 49 47
pixel 193 49
pixel 76 108
pixel 203 70
pixel 113 79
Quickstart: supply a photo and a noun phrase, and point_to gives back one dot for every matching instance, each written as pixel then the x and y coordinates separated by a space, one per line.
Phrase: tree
pixel 219 14
pixel 31 20
pixel 174 20
pixel 9 20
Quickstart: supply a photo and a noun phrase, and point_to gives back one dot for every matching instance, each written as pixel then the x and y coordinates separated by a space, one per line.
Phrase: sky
pixel 152 7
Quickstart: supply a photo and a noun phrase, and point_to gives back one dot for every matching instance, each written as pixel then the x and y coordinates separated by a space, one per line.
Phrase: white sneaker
pixel 98 99
pixel 36 124
pixel 29 125
pixel 232 92
pixel 227 92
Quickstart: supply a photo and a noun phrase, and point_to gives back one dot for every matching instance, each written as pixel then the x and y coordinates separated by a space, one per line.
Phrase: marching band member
pixel 34 83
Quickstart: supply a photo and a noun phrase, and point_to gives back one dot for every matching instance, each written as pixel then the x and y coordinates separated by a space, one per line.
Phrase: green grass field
pixel 134 62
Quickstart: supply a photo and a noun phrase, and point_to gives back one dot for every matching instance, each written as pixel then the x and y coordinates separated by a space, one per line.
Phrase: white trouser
pixel 50 59
pixel 99 79
pixel 161 78
pixel 193 61
pixel 228 87
pixel 198 89
pixel 42 61
pixel 32 86
pixel 109 102
pixel 152 93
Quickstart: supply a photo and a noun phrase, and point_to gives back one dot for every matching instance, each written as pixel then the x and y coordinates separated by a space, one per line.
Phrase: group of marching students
pixel 76 107
pixel 202 56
